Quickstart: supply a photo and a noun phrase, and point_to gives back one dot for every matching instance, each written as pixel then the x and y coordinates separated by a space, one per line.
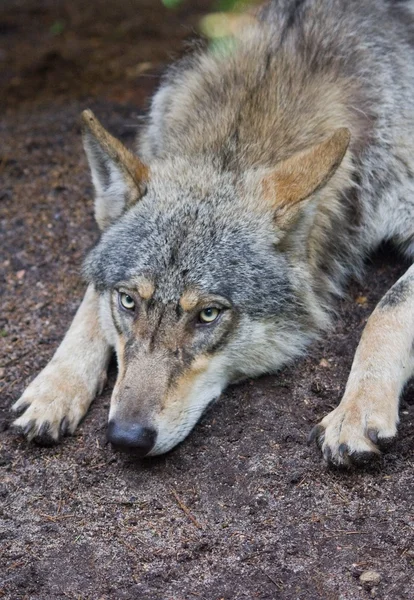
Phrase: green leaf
pixel 57 28
pixel 171 3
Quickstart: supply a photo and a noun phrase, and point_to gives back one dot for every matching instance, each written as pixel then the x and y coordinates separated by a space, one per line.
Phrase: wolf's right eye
pixel 126 301
pixel 208 315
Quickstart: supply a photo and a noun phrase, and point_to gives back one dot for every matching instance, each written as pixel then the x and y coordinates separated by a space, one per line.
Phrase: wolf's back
pixel 292 74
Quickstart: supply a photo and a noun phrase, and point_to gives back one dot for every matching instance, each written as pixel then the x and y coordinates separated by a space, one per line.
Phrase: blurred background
pixel 77 48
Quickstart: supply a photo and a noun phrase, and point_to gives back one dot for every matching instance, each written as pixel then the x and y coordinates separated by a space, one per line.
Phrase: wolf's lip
pixel 132 438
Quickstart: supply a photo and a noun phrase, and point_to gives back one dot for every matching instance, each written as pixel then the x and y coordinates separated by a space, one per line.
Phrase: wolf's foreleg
pixel 61 394
pixel 367 416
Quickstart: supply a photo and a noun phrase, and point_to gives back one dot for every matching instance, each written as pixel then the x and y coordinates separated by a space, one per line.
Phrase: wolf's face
pixel 186 294
pixel 195 291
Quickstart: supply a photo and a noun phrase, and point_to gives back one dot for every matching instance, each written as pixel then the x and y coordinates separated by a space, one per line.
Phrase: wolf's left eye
pixel 126 301
pixel 208 315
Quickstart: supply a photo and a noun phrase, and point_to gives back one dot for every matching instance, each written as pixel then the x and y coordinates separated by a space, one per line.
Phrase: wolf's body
pixel 247 201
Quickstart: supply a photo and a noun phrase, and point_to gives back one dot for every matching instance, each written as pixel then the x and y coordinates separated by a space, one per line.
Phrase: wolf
pixel 268 168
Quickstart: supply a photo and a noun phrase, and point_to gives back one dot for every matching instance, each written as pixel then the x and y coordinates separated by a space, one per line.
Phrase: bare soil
pixel 243 508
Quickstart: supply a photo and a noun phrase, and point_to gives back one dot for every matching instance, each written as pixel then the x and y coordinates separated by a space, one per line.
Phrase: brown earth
pixel 243 508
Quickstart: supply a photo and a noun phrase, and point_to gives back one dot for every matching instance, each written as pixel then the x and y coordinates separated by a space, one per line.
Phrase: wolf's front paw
pixel 352 434
pixel 53 404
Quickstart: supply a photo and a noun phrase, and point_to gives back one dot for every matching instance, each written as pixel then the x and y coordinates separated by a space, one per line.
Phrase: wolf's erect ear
pixel 118 175
pixel 298 177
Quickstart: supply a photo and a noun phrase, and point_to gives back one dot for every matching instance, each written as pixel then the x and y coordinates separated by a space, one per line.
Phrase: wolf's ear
pixel 118 175
pixel 298 177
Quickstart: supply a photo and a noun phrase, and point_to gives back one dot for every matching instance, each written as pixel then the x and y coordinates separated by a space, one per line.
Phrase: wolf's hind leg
pixel 384 361
pixel 61 394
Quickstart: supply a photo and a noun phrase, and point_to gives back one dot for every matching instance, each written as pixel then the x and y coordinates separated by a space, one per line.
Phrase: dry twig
pixel 186 510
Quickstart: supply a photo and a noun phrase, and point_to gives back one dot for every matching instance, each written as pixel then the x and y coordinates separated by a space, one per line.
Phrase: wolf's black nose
pixel 131 437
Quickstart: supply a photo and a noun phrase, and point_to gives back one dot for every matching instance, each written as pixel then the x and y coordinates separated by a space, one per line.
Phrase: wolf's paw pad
pixel 349 437
pixel 50 408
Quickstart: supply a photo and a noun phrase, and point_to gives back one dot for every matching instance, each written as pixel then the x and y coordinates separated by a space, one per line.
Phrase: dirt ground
pixel 243 509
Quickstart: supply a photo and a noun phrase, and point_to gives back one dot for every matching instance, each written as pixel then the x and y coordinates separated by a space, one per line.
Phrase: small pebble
pixel 370 578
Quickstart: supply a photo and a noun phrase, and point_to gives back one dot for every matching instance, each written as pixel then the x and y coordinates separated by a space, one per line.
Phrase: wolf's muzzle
pixel 131 437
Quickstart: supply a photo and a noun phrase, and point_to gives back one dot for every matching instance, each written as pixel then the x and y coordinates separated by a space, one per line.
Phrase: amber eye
pixel 208 315
pixel 126 301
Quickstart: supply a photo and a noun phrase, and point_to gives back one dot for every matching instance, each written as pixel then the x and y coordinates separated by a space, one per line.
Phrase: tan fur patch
pixel 120 353
pixel 134 170
pixel 145 289
pixel 296 178
pixel 189 300
pixel 185 383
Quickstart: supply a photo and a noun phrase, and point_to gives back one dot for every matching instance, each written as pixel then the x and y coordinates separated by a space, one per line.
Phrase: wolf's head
pixel 199 283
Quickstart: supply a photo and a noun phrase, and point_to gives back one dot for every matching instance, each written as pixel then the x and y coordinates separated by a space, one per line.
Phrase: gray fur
pixel 201 241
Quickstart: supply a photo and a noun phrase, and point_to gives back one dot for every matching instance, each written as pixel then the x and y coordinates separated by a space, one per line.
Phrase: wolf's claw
pixel 28 428
pixel 64 427
pixel 19 410
pixel 317 435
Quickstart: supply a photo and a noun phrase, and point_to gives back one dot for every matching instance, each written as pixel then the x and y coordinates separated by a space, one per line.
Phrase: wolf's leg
pixel 60 396
pixel 384 361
